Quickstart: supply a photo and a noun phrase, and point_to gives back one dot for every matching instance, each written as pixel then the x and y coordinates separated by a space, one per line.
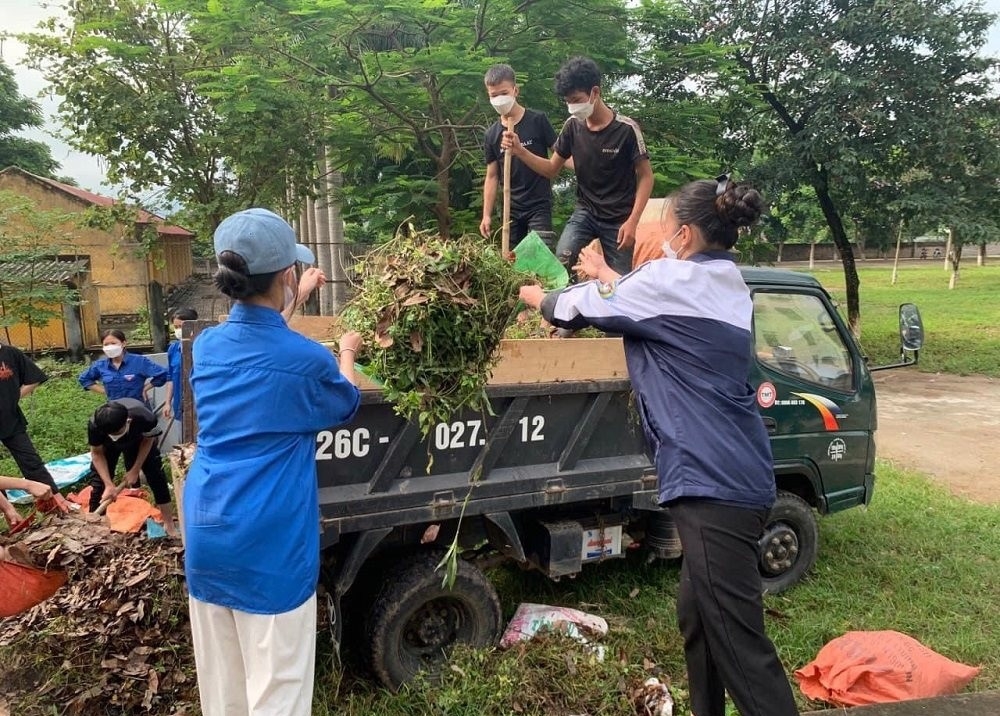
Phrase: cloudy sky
pixel 24 15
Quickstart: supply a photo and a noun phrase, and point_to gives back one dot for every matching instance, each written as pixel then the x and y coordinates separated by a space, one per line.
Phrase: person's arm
pixel 100 461
pixel 27 389
pixel 644 187
pixel 132 474
pixel 548 167
pixel 349 344
pixel 7 510
pixel 88 379
pixel 37 490
pixel 568 164
pixel 490 185
pixel 157 374
pixel 312 278
pixel 168 400
pixel 593 264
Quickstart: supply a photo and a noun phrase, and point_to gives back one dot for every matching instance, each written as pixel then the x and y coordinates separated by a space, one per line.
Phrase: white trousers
pixel 254 664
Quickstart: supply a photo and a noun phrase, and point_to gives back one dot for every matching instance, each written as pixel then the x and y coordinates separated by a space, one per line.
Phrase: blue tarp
pixel 66 472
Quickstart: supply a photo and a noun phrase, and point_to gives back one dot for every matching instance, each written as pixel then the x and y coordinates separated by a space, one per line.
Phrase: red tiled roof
pixel 145 217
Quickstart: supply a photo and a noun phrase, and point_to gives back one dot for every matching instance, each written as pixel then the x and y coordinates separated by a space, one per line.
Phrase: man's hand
pixel 510 142
pixel 38 490
pixel 167 411
pixel 590 262
pixel 484 227
pixel 532 295
pixel 350 341
pixel 626 234
pixel 131 478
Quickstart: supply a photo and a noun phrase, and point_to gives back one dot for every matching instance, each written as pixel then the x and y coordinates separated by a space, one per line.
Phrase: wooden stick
pixel 508 122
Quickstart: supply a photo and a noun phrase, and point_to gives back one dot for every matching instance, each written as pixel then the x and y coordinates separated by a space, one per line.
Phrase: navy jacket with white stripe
pixel 686 327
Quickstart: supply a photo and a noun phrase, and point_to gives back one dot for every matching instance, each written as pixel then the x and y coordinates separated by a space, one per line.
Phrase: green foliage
pixel 17 113
pixel 432 313
pixel 130 76
pixel 398 88
pixel 29 240
pixel 854 95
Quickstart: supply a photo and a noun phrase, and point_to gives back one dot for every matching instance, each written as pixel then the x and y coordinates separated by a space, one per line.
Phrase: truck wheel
pixel 787 549
pixel 414 620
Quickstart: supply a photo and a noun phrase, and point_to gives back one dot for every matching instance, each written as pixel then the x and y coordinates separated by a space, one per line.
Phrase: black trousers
pixel 721 612
pixel 152 468
pixel 539 220
pixel 28 461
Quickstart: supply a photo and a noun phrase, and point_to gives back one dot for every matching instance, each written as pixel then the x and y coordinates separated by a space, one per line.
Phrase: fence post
pixel 74 330
pixel 157 317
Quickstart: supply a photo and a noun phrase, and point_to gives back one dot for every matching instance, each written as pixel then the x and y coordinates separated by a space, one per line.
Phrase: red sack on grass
pixel 22 587
pixel 876 667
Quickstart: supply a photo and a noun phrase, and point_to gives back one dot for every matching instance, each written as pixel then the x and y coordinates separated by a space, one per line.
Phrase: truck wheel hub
pixel 779 548
pixel 432 626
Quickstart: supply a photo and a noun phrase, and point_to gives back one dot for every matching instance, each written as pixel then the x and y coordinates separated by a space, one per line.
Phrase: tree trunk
pixel 899 244
pixel 812 256
pixel 339 285
pixel 442 209
pixel 981 254
pixel 852 283
pixel 947 252
pixel 954 257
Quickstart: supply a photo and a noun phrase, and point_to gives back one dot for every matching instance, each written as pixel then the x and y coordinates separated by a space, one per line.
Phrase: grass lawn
pixel 962 326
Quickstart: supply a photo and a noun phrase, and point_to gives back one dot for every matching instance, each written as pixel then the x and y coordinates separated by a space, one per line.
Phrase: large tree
pixel 846 83
pixel 128 74
pixel 18 113
pixel 399 84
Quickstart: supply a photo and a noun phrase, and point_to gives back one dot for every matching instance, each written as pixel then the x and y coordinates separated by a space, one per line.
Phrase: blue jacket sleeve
pixel 90 376
pixel 157 374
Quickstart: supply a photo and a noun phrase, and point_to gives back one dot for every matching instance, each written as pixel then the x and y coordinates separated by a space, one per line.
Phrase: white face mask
pixel 177 333
pixel 502 103
pixel 113 350
pixel 580 110
pixel 668 252
pixel 289 294
pixel 123 433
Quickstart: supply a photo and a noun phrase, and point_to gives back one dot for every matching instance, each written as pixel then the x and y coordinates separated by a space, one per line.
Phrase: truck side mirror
pixel 911 328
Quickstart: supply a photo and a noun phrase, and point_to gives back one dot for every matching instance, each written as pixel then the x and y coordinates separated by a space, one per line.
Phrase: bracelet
pixel 348 350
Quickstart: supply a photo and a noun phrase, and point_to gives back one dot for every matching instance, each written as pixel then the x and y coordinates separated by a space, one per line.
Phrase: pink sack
pixel 875 667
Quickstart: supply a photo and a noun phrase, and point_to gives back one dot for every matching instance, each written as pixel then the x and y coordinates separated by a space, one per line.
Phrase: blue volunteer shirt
pixel 174 371
pixel 251 509
pixel 126 380
pixel 686 328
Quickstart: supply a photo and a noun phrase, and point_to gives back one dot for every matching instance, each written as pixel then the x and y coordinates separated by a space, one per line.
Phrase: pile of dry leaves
pixel 114 640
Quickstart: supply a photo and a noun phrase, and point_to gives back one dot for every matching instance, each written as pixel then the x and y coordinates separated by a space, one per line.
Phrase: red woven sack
pixel 22 587
pixel 875 667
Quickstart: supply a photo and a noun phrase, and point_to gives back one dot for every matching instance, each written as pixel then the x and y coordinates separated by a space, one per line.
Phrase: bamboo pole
pixel 505 231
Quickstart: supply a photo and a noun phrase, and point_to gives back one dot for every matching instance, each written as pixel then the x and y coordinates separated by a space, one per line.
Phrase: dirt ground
pixel 943 425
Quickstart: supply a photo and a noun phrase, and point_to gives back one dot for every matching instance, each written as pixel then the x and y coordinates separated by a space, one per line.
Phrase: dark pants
pixel 539 220
pixel 28 461
pixel 582 228
pixel 721 612
pixel 152 468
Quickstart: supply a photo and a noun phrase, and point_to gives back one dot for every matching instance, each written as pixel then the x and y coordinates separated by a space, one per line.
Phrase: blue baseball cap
pixel 262 239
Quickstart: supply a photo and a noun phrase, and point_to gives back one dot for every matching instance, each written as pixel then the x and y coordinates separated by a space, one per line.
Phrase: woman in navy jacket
pixel 686 324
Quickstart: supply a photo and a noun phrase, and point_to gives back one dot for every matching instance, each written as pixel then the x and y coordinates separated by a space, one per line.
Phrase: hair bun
pixel 739 205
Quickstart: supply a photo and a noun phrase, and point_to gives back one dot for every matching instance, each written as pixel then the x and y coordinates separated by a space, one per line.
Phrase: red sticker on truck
pixel 766 395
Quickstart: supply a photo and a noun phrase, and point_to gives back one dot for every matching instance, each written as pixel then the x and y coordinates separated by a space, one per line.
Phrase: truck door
pixel 814 392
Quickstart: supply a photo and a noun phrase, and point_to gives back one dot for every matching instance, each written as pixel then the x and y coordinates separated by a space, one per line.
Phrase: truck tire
pixel 414 620
pixel 787 549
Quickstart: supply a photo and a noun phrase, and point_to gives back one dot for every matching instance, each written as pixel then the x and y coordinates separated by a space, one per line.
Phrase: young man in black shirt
pixel 19 376
pixel 530 192
pixel 613 175
pixel 127 427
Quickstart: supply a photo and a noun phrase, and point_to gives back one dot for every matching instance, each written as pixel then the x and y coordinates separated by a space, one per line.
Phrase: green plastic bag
pixel 533 256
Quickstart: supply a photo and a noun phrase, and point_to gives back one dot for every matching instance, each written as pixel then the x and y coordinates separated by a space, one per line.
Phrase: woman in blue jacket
pixel 686 321
pixel 251 506
pixel 121 374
